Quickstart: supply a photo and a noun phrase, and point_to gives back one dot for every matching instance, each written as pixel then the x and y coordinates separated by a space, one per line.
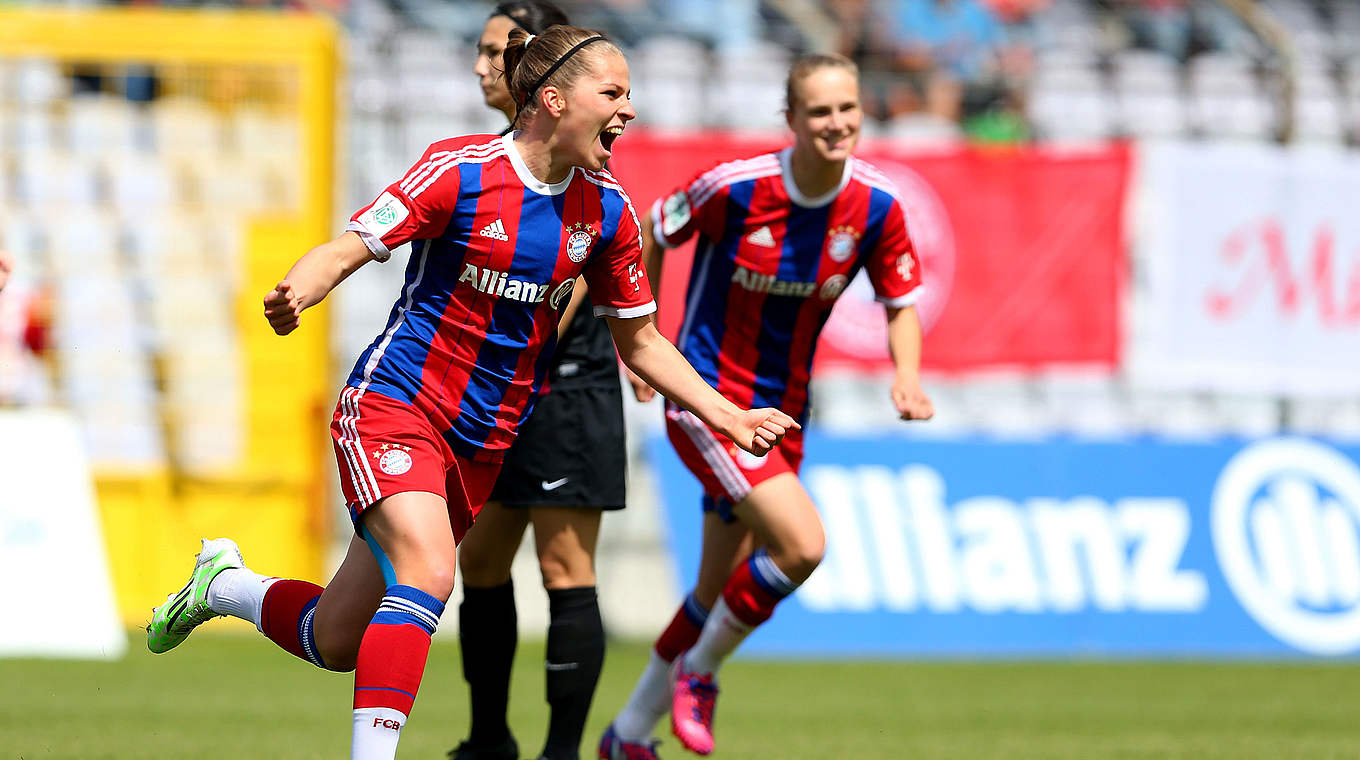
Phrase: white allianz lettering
pixel 888 536
pixel 768 283
pixel 502 285
pixel 1160 527
pixel 844 581
pixel 1067 533
pixel 894 544
pixel 995 559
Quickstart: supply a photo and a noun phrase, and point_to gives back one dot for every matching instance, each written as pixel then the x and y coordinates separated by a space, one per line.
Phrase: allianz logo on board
pixel 1285 524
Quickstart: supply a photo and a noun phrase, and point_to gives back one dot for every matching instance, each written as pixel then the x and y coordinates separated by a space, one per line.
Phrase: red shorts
pixel 384 447
pixel 726 472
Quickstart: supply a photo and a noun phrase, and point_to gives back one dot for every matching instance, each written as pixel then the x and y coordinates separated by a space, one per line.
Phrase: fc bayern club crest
pixel 393 459
pixel 842 243
pixel 578 243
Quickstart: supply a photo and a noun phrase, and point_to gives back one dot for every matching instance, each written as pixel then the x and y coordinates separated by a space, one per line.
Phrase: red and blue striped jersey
pixel 769 264
pixel 495 254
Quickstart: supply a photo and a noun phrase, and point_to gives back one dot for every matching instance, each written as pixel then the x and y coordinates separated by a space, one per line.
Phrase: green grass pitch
pixel 236 696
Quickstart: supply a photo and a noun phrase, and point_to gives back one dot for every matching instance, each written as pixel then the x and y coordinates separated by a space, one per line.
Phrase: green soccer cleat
pixel 185 609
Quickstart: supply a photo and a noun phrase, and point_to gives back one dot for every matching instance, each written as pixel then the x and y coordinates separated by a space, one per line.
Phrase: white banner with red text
pixel 1252 262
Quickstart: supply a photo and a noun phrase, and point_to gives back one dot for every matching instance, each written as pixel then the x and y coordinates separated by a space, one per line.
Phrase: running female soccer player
pixel 502 227
pixel 780 236
pixel 566 465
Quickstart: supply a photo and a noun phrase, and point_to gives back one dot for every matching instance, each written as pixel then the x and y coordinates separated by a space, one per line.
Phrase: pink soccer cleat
pixel 692 705
pixel 614 748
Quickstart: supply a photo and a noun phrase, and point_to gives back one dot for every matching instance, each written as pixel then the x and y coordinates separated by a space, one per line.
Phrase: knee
pixel 437 581
pixel 566 569
pixel 801 556
pixel 432 573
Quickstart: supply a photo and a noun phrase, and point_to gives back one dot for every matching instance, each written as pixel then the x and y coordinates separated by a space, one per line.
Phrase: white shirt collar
pixel 796 195
pixel 526 176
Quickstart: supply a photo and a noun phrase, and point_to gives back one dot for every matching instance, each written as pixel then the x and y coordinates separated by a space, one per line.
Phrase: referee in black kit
pixel 564 469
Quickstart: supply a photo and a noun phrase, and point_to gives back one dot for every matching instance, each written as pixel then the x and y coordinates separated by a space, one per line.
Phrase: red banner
pixel 1022 249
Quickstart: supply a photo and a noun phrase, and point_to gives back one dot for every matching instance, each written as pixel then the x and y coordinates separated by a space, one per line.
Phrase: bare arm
pixel 652 357
pixel 312 278
pixel 904 343
pixel 652 254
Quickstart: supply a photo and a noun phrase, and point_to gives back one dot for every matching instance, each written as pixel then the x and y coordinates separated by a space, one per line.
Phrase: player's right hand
pixel 760 430
pixel 283 308
pixel 641 390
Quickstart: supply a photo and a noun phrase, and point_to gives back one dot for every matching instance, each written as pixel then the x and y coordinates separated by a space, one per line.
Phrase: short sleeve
pixel 616 278
pixel 694 207
pixel 893 266
pixel 416 207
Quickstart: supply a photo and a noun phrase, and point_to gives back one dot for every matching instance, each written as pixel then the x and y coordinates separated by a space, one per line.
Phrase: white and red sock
pixel 286 614
pixel 748 599
pixel 651 697
pixel 240 592
pixel 389 667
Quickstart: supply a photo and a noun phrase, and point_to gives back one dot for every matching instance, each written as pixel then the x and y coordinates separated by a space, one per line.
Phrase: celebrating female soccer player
pixel 780 236
pixel 502 227
pixel 566 465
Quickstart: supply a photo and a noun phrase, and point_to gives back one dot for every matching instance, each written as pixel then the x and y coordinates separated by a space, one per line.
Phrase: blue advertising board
pixel 977 547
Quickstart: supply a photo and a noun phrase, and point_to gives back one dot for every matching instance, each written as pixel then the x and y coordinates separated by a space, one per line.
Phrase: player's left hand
pixel 911 401
pixel 759 430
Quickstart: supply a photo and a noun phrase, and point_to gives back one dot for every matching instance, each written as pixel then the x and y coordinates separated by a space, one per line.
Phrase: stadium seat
pixel 1176 414
pixel 1072 115
pixel 140 182
pixel 38 82
pixel 98 124
pixel 187 127
pixel 260 133
pixel 57 177
pixel 1333 417
pixel 1318 119
pixel 1152 114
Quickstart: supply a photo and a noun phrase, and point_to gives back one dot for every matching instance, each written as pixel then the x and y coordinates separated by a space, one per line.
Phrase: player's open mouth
pixel 608 136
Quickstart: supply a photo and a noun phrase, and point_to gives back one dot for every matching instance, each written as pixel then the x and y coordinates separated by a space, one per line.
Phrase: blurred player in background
pixel 502 227
pixel 566 465
pixel 780 236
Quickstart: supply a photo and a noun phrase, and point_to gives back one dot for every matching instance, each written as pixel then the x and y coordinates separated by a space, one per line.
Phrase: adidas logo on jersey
pixel 761 237
pixel 495 231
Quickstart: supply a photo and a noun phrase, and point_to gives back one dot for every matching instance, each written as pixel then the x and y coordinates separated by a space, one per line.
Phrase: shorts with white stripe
pixel 385 447
pixel 727 473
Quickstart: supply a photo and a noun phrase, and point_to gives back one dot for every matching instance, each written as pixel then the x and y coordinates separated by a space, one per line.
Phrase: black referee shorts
pixel 570 452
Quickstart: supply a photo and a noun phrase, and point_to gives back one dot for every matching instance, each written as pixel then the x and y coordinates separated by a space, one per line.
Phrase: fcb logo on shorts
pixel 578 244
pixel 745 459
pixel 393 459
pixel 842 242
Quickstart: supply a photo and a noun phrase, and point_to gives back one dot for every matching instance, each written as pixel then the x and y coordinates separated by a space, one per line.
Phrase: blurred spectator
pixel 1161 25
pixel 726 24
pixel 1181 28
pixel 863 36
pixel 944 47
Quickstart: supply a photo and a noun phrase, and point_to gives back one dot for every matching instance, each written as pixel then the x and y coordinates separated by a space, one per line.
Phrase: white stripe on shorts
pixel 361 477
pixel 714 451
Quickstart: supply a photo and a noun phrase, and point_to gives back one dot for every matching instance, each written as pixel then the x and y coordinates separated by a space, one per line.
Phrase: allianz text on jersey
pixel 966 547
